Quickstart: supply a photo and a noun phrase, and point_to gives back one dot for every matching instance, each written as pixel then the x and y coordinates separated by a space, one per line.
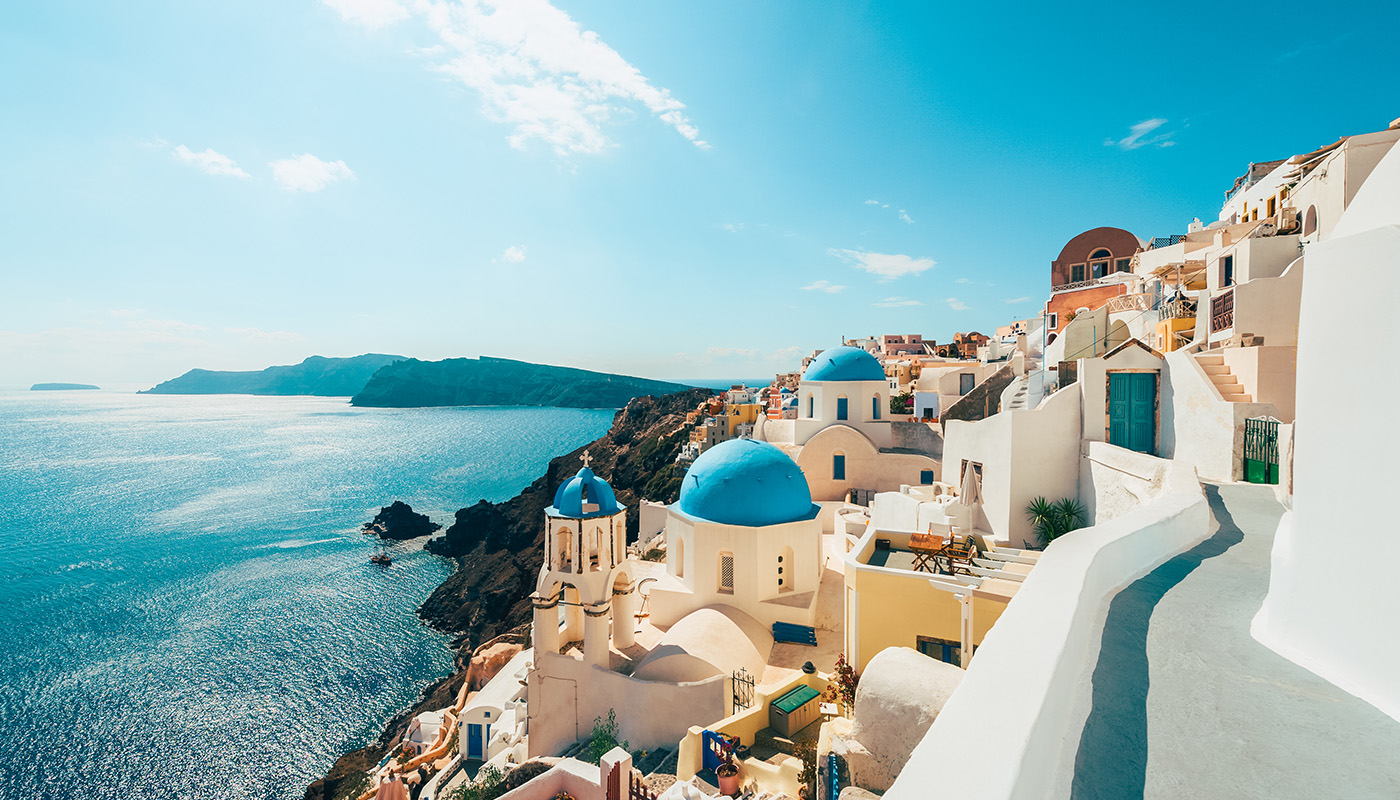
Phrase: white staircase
pixel 1018 390
pixel 1229 387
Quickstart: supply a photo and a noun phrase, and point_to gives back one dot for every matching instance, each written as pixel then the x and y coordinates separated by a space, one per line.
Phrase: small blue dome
pixel 746 482
pixel 844 364
pixel 585 488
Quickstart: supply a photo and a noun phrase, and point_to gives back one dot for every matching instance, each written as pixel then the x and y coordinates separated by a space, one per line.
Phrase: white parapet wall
pixel 1026 694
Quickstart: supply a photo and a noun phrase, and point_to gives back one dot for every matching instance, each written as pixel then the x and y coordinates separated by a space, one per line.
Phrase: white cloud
pixel 962 280
pixel 824 286
pixel 307 173
pixel 371 14
pixel 535 69
pixel 887 265
pixel 733 227
pixel 1141 135
pixel 896 302
pixel 904 215
pixel 1014 300
pixel 956 304
pixel 209 161
pixel 513 254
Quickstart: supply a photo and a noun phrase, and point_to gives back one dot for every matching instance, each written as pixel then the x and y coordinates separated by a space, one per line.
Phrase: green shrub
pixel 1053 520
pixel 603 739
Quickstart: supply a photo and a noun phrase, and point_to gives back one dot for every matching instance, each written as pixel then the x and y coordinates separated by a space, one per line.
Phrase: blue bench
pixel 795 634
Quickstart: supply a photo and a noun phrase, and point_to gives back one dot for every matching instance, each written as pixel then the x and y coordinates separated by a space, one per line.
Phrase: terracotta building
pixel 1077 277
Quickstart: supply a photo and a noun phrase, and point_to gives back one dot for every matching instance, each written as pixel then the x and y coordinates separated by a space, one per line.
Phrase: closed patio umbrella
pixel 971 492
pixel 392 789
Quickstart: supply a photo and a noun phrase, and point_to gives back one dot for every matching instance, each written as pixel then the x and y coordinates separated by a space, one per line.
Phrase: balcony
pixel 1180 308
pixel 1222 312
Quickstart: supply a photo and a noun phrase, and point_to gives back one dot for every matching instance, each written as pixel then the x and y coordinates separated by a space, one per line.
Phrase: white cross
pixel 586 459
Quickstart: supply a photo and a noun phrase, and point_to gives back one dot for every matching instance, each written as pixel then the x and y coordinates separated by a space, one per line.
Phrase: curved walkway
pixel 1187 704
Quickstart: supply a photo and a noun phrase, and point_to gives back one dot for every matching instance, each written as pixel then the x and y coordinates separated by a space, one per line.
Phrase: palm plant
pixel 1053 520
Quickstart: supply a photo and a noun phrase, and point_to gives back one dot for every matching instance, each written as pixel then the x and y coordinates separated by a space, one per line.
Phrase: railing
pixel 1222 312
pixel 1131 302
pixel 1180 308
pixel 1065 287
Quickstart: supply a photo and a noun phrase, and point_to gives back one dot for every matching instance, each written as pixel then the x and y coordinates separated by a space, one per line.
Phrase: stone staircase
pixel 1018 395
pixel 1230 388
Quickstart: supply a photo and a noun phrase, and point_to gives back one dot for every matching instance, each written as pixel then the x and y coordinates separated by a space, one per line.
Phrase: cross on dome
pixel 586 459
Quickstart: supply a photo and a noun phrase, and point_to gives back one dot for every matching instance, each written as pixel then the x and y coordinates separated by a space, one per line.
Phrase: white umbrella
pixel 971 492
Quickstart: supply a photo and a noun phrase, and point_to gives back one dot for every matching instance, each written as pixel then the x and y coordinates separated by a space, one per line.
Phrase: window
pixel 875 407
pixel 1054 319
pixel 1076 273
pixel 976 469
pixel 726 572
pixel 838 467
pixel 926 477
pixel 840 408
pixel 965 382
pixel 680 557
pixel 1125 265
pixel 1100 269
pixel 785 583
pixel 809 407
pixel 1227 271
pixel 1271 208
pixel 941 649
pixel 1100 253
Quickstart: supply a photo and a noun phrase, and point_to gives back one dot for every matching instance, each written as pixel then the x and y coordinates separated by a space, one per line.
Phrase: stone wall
pixel 983 401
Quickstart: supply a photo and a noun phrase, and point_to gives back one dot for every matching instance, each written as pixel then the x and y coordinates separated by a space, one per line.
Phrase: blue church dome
pixel 746 482
pixel 585 488
pixel 844 363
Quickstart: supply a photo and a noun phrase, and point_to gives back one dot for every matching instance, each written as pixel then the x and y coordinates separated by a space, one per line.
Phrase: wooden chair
pixel 957 555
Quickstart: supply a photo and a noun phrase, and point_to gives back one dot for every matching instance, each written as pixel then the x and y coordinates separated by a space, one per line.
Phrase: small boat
pixel 382 559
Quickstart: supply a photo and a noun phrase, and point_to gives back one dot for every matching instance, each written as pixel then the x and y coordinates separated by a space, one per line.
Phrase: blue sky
pixel 663 189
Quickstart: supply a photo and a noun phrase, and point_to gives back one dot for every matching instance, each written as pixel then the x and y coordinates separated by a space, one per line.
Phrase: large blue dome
pixel 585 488
pixel 746 482
pixel 844 363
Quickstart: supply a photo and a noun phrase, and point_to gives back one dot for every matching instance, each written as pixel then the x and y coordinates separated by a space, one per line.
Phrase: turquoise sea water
pixel 187 607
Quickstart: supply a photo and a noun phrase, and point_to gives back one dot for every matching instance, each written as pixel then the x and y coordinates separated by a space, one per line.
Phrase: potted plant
pixel 727 772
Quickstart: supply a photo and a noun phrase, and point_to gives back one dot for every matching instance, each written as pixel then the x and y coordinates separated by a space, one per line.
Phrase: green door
pixel 1132 410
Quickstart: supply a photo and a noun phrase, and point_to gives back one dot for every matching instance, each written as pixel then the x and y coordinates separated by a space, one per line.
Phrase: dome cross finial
pixel 586 459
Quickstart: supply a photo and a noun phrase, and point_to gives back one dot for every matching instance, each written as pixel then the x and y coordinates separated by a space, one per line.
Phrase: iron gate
pixel 1261 450
pixel 743 689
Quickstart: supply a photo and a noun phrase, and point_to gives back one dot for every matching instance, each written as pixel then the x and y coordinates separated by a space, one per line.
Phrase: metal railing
pixel 1065 287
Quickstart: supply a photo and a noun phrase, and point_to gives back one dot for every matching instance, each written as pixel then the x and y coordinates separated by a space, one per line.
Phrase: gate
pixel 743 689
pixel 1261 450
pixel 714 748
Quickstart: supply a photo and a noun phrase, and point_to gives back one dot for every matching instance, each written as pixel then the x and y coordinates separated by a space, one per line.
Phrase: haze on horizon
pixel 677 191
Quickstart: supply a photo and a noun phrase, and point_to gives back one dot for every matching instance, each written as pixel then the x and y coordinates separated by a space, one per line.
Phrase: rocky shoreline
pixel 498 548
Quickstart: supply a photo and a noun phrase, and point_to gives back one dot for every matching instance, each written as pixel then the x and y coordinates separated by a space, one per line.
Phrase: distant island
pixel 317 375
pixel 501 382
pixel 59 387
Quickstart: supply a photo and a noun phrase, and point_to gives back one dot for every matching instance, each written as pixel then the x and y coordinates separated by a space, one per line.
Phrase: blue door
pixel 473 741
pixel 1132 410
pixel 840 408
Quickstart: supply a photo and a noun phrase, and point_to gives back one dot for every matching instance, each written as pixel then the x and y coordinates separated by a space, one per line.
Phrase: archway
pixel 1310 221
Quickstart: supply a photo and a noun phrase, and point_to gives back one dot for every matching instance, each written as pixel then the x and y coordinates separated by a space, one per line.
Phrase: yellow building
pixel 741 414
pixel 890 604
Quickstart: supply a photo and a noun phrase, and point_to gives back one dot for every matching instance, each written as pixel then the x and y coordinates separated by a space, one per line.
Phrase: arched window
pixel 841 407
pixel 726 572
pixel 680 557
pixel 1099 261
pixel 809 406
pixel 838 466
pixel 875 407
pixel 1310 221
pixel 785 574
pixel 563 549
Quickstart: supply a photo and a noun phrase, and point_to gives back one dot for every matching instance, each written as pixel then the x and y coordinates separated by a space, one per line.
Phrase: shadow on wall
pixel 1112 759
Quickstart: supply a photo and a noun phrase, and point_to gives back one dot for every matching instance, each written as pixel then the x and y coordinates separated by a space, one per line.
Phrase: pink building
pixel 896 345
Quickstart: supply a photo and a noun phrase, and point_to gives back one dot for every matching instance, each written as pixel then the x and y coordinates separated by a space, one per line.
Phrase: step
pixel 1233 387
pixel 1216 369
pixel 1204 360
pixel 1239 397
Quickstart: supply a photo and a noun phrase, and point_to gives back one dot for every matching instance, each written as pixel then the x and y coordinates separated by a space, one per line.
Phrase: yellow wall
pixel 745 414
pixel 1166 342
pixel 896 609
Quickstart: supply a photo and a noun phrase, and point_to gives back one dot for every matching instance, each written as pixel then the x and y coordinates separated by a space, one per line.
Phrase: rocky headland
pixel 398 521
pixel 318 376
pixel 59 387
pixel 490 381
pixel 498 548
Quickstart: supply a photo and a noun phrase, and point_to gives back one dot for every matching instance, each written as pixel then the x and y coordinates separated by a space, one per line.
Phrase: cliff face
pixel 499 549
pixel 500 382
pixel 317 375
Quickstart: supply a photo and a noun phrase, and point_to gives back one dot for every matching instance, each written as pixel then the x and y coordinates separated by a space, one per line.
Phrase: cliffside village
pixel 903 569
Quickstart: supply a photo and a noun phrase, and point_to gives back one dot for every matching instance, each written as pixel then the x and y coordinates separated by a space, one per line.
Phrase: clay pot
pixel 728 777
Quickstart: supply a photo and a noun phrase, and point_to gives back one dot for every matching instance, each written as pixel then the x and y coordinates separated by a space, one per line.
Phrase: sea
pixel 187 608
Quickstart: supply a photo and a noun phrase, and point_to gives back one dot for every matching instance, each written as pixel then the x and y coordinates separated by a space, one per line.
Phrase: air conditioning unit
pixel 1288 220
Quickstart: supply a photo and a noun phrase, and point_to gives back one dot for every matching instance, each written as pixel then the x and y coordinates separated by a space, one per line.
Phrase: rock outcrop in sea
pixel 499 547
pixel 398 521
pixel 317 375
